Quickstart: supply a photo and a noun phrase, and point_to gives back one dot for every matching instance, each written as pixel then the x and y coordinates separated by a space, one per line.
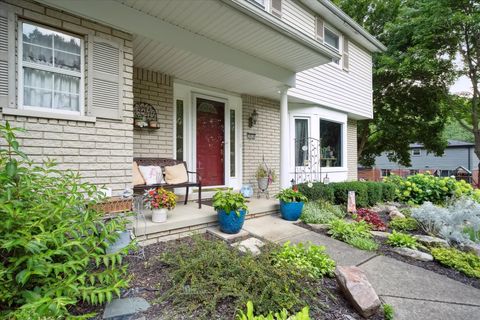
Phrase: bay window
pixel 50 69
pixel 331 143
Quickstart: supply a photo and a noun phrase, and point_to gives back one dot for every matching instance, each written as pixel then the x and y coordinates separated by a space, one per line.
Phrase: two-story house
pixel 221 84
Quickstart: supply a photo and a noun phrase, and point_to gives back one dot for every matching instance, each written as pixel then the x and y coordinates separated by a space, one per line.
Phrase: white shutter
pixel 7 53
pixel 105 82
pixel 277 8
pixel 345 56
pixel 319 29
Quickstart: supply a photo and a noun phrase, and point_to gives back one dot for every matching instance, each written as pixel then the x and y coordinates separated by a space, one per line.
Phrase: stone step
pixel 251 244
pixel 215 231
pixel 125 309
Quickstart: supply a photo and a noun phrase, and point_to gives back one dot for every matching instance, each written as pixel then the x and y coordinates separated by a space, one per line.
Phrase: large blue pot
pixel 231 223
pixel 291 211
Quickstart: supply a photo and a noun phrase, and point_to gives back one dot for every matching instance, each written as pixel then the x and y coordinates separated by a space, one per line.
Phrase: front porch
pixel 187 219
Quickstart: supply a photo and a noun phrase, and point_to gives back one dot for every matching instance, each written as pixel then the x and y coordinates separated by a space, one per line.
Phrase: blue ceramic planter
pixel 291 211
pixel 231 223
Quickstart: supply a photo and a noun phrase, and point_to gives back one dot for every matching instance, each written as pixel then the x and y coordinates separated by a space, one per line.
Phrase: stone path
pixel 414 292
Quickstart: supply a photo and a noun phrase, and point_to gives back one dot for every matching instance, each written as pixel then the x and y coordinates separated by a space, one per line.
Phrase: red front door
pixel 210 141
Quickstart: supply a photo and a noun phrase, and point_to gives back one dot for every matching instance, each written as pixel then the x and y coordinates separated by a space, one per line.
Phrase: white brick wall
pixel 267 139
pixel 156 89
pixel 352 149
pixel 102 151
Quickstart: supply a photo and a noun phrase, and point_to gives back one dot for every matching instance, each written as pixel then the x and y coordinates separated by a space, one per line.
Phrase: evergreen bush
pixel 53 243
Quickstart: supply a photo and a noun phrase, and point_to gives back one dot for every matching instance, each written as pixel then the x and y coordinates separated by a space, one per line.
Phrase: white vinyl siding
pixel 105 79
pixel 298 17
pixel 330 86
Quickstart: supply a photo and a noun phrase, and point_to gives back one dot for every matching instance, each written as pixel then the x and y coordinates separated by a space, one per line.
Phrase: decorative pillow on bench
pixel 151 174
pixel 176 174
pixel 137 176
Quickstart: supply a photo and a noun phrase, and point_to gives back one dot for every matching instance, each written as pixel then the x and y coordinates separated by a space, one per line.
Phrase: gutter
pixel 275 23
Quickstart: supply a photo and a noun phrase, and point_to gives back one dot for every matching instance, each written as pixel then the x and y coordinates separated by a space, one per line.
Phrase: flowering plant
pixel 372 218
pixel 159 198
pixel 291 195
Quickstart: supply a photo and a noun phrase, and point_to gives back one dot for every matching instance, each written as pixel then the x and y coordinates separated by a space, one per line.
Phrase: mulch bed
pixel 386 250
pixel 150 281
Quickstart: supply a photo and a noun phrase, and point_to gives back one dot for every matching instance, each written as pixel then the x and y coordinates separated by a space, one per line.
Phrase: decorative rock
pixel 122 308
pixel 251 244
pixel 380 234
pixel 415 254
pixel 395 214
pixel 472 247
pixel 392 208
pixel 354 284
pixel 431 241
pixel 319 226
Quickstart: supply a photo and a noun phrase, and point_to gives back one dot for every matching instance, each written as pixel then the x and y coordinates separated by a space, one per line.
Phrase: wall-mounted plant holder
pixel 251 135
pixel 145 116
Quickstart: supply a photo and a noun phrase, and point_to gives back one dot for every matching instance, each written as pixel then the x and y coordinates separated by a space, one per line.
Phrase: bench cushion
pixel 137 176
pixel 151 174
pixel 176 174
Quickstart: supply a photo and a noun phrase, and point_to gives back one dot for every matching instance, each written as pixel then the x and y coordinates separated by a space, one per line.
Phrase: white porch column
pixel 284 136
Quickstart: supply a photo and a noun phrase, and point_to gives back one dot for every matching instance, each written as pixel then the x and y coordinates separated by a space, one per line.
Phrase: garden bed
pixel 150 280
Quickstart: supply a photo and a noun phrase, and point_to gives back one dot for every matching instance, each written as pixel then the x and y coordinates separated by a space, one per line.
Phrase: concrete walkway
pixel 414 293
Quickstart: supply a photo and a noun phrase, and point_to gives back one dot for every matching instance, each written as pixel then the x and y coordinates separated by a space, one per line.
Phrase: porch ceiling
pixel 206 35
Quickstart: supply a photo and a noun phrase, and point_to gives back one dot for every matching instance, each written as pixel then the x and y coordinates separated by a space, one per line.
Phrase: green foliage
pixel 404 224
pixel 282 315
pixel 398 239
pixel 473 234
pixel 454 131
pixel 53 243
pixel 205 273
pixel 465 262
pixel 229 201
pixel 367 193
pixel 355 233
pixel 321 212
pixel 310 259
pixel 388 312
pixel 424 187
pixel 291 195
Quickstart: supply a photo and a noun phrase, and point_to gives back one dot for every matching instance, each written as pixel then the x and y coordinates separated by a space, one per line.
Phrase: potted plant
pixel 291 203
pixel 231 209
pixel 158 201
pixel 264 177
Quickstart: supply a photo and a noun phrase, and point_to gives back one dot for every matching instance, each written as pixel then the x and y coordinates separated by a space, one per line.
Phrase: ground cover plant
pixel 206 273
pixel 53 243
pixel 372 218
pixel 458 222
pixel 398 239
pixel 310 259
pixel 355 233
pixel 282 315
pixel 321 212
pixel 424 187
pixel 403 224
pixel 465 262
pixel 388 311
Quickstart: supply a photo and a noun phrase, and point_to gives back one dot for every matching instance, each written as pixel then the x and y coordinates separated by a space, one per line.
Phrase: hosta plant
pixel 372 218
pixel 403 240
pixel 310 258
pixel 53 243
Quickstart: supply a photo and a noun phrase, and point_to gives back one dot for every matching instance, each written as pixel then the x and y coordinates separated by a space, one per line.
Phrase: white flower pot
pixel 159 215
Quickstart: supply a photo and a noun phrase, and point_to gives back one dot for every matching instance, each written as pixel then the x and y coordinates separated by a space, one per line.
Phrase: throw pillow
pixel 137 176
pixel 176 174
pixel 151 174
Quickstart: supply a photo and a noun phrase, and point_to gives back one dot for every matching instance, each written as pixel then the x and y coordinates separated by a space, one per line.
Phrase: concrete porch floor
pixel 186 219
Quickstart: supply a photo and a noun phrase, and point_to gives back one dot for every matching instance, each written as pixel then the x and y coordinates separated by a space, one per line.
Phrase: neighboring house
pixel 457 154
pixel 232 83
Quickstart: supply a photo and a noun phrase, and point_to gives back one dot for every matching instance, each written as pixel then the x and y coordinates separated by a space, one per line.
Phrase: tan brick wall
pixel 352 160
pixel 102 151
pixel 157 89
pixel 267 139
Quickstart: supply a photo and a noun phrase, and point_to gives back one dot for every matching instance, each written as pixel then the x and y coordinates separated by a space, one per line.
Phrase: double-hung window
pixel 332 39
pixel 50 70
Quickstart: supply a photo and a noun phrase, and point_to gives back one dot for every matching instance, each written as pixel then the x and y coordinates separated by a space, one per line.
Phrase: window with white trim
pixel 51 65
pixel 332 39
pixel 416 152
pixel 386 172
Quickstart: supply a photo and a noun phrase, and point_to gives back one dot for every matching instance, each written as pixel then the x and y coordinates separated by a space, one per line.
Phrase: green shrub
pixel 321 212
pixel 398 239
pixel 388 312
pixel 355 233
pixel 214 272
pixel 388 192
pixel 317 191
pixel 53 243
pixel 283 315
pixel 341 189
pixel 404 224
pixel 374 192
pixel 424 187
pixel 465 262
pixel 309 258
